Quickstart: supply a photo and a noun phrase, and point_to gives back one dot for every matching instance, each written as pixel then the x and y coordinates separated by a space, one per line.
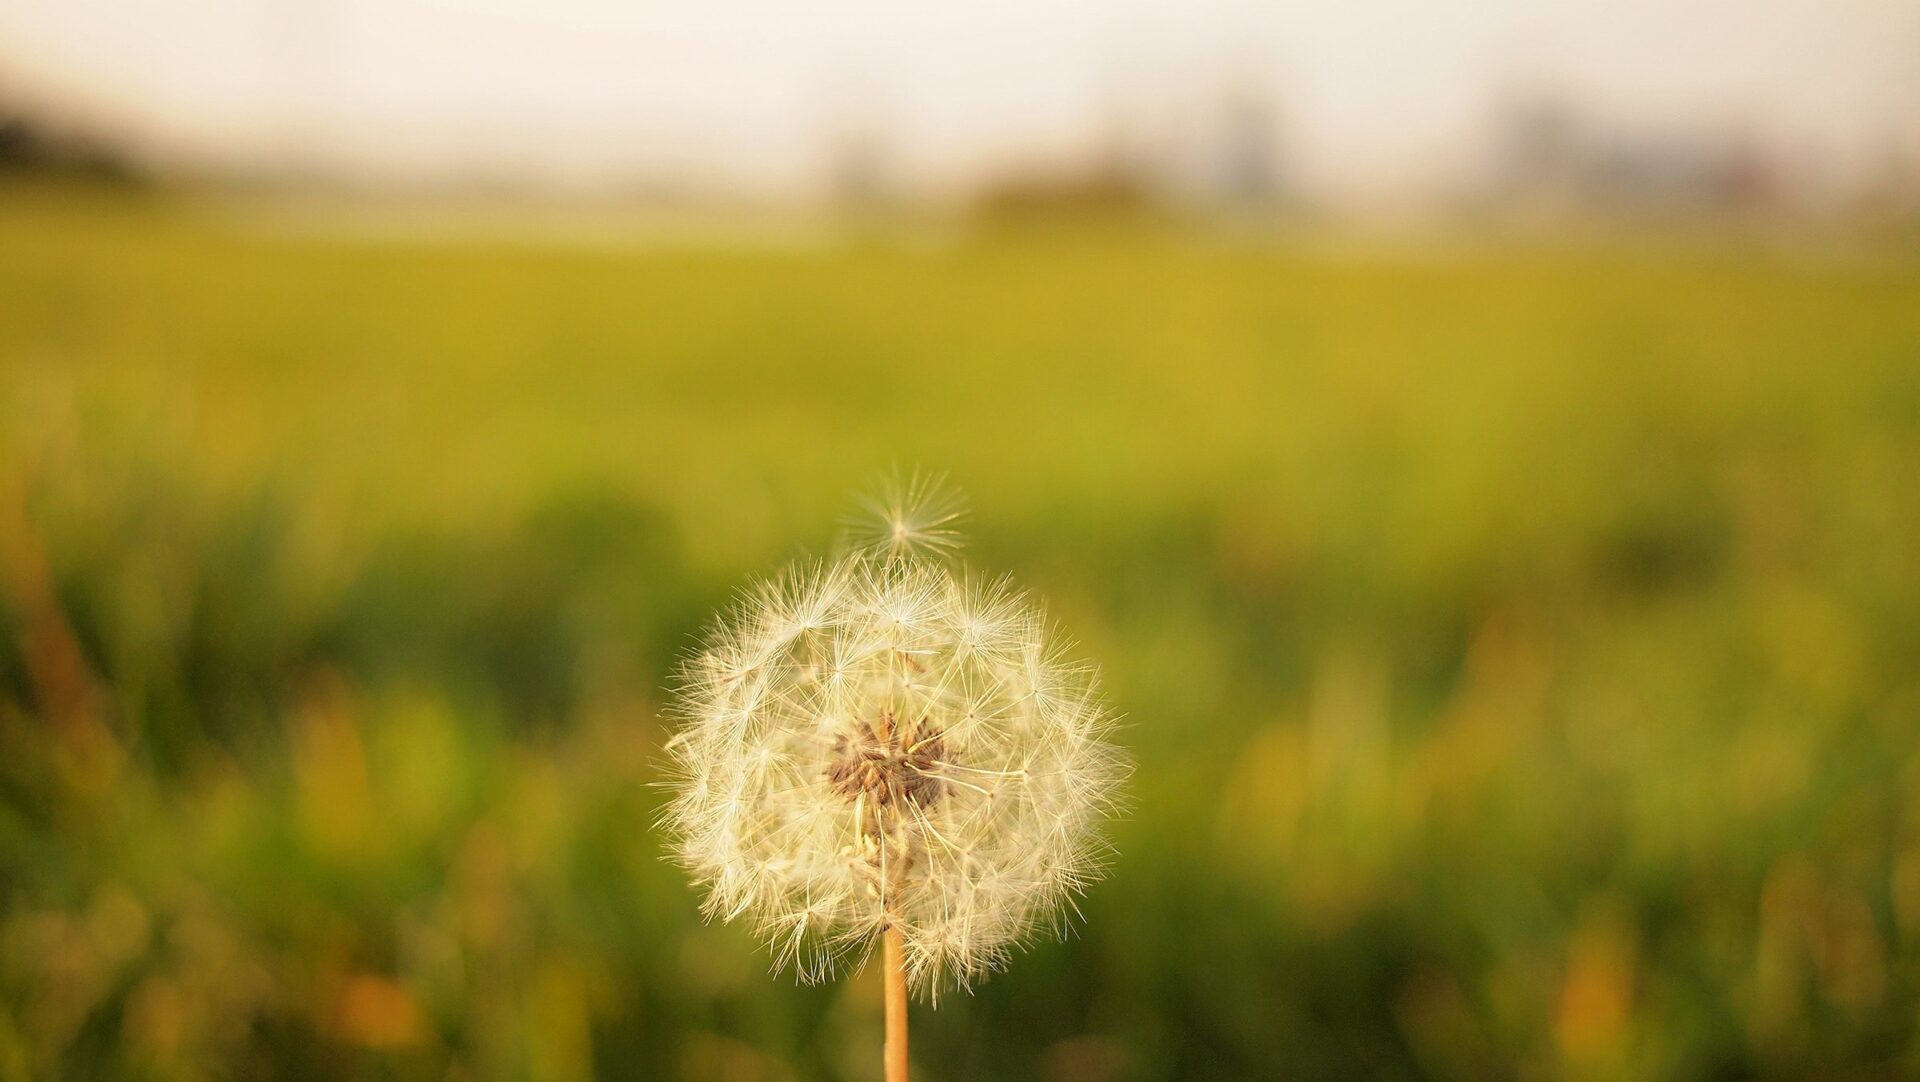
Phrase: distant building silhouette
pixel 1548 155
pixel 1249 158
pixel 860 166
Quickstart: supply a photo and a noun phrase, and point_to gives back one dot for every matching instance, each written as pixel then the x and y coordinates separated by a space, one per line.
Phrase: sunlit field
pixel 1517 642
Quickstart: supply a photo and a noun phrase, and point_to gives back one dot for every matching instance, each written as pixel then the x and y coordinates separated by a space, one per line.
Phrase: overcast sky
pixel 1372 92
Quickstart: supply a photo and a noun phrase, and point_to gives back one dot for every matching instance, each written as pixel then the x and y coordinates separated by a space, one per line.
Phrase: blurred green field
pixel 1518 643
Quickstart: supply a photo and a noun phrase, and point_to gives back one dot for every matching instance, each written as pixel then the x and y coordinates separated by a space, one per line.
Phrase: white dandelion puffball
pixel 884 741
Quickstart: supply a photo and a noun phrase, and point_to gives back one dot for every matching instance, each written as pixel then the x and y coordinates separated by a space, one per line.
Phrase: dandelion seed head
pixel 886 741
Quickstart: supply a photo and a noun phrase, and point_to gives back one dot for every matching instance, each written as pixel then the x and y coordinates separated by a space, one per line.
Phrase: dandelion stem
pixel 896 977
pixel 893 959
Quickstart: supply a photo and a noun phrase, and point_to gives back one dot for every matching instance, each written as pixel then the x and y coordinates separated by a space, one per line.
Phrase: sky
pixel 1371 95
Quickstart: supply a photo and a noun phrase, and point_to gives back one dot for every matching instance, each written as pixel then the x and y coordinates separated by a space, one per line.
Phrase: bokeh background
pixel 1481 443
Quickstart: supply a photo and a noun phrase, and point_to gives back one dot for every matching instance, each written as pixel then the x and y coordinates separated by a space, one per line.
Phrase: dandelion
pixel 886 748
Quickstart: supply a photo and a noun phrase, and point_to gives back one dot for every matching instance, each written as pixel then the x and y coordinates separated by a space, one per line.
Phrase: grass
pixel 1517 643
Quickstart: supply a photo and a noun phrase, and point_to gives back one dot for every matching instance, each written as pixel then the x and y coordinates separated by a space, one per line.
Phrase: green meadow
pixel 1519 642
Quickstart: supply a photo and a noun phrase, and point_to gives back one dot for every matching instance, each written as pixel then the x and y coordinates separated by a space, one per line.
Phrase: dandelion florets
pixel 888 741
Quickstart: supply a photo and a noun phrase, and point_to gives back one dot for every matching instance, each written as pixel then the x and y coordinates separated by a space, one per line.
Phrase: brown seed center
pixel 901 765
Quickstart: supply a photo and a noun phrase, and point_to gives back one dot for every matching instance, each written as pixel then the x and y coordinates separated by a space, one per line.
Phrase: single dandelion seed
pixel 886 748
pixel 912 515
